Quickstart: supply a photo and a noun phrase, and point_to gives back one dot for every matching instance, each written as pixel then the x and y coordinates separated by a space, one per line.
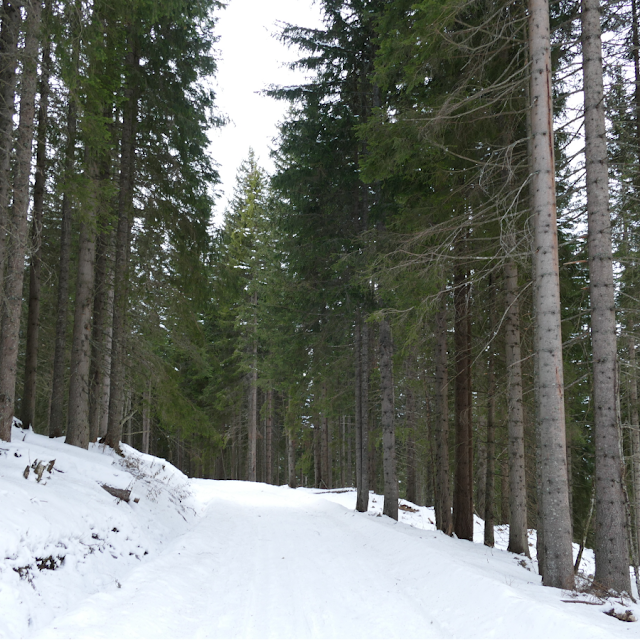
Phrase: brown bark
pixel 317 463
pixel 120 494
pixel 350 444
pixel 343 451
pixel 410 426
pixel 343 434
pixel 504 491
pixel 387 418
pixel 365 417
pixel 362 414
pixel 79 424
pixel 518 538
pixel 611 545
pixel 481 474
pixel 102 338
pixel 489 495
pixel 78 418
pixel 234 458
pixel 11 21
pixel 18 226
pixel 291 461
pixel 252 460
pixel 263 466
pixel 553 494
pixel 328 453
pixel 123 241
pixel 28 408
pixel 146 420
pixel 269 439
pixel 357 338
pixel 634 427
pixel 444 520
pixel 463 488
pixel 373 452
pixel 633 376
pixel 56 411
pixel 325 454
pixel 291 448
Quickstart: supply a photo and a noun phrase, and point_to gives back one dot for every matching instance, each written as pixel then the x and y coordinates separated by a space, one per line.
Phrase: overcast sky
pixel 251 59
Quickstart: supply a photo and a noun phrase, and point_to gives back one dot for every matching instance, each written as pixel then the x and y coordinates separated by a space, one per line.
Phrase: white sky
pixel 251 60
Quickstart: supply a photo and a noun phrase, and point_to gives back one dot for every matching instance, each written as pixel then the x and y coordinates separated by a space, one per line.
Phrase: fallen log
pixel 121 494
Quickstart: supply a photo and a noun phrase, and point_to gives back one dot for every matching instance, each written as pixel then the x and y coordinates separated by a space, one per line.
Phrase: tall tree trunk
pixel 373 449
pixel 635 437
pixel 343 453
pixel 291 461
pixel 18 227
pixel 123 242
pixel 553 494
pixel 264 444
pixel 350 443
pixel 317 463
pixel 489 494
pixel 444 520
pixel 328 454
pixel 11 21
pixel 291 448
pixel 357 338
pixel 78 419
pixel 325 470
pixel 362 414
pixel 410 425
pixel 146 419
pixel 263 466
pixel 630 323
pixel 463 489
pixel 28 408
pixel 252 460
pixel 102 337
pixel 518 539
pixel 234 457
pixel 56 411
pixel 387 419
pixel 480 473
pixel 504 491
pixel 340 456
pixel 269 438
pixel 611 545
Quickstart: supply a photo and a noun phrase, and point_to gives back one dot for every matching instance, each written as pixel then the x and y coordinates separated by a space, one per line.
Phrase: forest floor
pixel 209 559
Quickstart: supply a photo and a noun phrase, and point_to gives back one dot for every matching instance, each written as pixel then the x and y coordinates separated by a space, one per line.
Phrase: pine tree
pixel 611 548
pixel 554 526
pixel 18 223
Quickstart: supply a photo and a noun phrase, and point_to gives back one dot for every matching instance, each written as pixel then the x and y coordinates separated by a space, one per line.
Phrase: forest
pixel 432 296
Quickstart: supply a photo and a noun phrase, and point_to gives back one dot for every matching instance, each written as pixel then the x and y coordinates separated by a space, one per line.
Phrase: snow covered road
pixel 270 562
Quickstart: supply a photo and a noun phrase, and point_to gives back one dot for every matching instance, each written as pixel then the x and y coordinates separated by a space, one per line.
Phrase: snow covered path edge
pixel 65 537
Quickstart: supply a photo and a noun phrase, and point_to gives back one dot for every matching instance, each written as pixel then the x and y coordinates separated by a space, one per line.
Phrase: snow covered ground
pixel 205 559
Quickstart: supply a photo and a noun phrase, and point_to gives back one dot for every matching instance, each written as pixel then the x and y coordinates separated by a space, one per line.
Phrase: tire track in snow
pixel 269 562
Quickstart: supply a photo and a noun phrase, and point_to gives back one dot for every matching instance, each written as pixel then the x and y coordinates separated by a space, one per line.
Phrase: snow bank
pixel 64 537
pixel 425 518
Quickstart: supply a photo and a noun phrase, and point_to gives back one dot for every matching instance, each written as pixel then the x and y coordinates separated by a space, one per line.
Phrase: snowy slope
pixel 70 522
pixel 240 560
